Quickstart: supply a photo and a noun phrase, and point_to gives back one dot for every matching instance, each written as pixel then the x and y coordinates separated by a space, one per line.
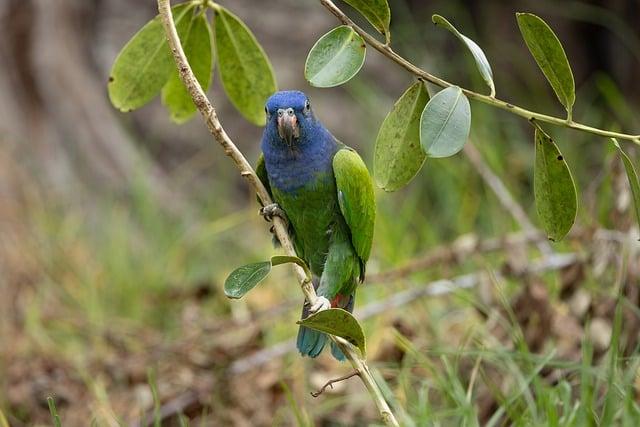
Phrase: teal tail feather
pixel 310 342
pixel 337 353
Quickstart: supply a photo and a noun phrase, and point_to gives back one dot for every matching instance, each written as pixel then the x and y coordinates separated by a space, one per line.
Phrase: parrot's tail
pixel 311 342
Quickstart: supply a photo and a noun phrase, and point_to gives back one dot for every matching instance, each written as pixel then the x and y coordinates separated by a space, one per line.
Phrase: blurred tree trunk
pixel 55 106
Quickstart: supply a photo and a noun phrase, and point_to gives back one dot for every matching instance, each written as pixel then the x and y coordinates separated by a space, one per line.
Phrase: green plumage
pixel 332 222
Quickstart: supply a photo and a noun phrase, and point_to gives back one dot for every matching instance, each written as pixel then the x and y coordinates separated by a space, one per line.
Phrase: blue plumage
pixel 291 167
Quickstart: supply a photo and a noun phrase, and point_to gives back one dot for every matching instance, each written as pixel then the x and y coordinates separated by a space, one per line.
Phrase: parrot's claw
pixel 321 304
pixel 269 211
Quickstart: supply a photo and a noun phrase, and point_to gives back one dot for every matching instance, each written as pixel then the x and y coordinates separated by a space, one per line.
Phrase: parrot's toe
pixel 321 304
pixel 269 211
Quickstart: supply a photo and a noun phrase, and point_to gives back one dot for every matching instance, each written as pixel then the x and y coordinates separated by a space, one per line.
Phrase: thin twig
pixel 460 249
pixel 387 51
pixel 215 127
pixel 503 194
pixel 330 383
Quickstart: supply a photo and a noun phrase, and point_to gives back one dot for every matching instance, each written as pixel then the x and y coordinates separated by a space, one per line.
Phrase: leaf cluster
pixel 144 67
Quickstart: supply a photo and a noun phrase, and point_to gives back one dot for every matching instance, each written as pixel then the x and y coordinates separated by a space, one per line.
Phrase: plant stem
pixel 387 51
pixel 210 117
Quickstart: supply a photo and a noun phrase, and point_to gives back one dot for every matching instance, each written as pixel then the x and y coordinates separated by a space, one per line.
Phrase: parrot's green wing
pixel 356 199
pixel 261 171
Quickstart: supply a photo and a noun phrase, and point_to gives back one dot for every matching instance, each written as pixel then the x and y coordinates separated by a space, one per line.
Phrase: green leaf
pixel 554 189
pixel 245 278
pixel 481 60
pixel 144 64
pixel 3 420
pixel 633 178
pixel 285 259
pixel 397 153
pixel 338 322
pixel 550 56
pixel 245 70
pixel 377 13
pixel 445 123
pixel 335 58
pixel 54 412
pixel 195 37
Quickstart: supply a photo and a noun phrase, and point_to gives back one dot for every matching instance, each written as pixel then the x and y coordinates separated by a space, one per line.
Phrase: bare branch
pixel 503 194
pixel 330 383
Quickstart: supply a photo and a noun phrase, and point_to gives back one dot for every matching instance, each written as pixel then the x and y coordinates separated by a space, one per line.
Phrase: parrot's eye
pixel 307 106
pixel 266 111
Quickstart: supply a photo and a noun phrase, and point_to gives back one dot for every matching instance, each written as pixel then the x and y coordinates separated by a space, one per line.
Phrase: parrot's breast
pixel 312 210
pixel 303 184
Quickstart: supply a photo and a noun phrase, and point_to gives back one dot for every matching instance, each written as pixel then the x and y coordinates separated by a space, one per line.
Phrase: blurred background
pixel 118 230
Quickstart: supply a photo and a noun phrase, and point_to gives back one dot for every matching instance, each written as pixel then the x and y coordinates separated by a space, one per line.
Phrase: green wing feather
pixel 356 199
pixel 261 171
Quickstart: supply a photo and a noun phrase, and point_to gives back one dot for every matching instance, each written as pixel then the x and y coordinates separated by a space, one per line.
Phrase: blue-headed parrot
pixel 327 195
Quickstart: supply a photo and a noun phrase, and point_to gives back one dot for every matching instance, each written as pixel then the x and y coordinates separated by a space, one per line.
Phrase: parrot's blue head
pixel 289 116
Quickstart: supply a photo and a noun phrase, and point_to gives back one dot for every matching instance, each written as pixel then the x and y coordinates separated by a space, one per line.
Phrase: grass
pixel 118 275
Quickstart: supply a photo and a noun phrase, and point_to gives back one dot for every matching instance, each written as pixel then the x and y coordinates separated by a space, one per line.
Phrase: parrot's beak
pixel 288 125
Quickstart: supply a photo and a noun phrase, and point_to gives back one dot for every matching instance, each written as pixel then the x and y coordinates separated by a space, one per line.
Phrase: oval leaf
pixel 445 123
pixel 550 56
pixel 377 13
pixel 335 58
pixel 397 153
pixel 195 37
pixel 144 64
pixel 243 279
pixel 633 178
pixel 245 70
pixel 481 60
pixel 338 322
pixel 554 189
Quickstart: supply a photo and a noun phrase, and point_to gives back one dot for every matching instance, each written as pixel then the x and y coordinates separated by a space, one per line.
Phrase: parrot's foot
pixel 321 304
pixel 269 211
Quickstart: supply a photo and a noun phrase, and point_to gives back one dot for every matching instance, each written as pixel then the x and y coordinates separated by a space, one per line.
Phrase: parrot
pixel 324 192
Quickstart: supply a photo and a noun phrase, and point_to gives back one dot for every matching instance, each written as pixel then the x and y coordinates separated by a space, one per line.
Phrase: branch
pixel 330 383
pixel 503 194
pixel 387 51
pixel 460 249
pixel 215 127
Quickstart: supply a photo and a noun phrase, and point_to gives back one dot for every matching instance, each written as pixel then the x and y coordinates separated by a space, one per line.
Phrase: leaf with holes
pixel 377 13
pixel 338 322
pixel 481 59
pixel 397 154
pixel 633 178
pixel 554 189
pixel 445 123
pixel 335 58
pixel 550 57
pixel 245 70
pixel 144 64
pixel 195 37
